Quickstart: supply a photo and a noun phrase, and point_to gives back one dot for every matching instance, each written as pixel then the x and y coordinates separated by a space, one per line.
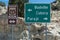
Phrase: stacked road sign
pixel 12 14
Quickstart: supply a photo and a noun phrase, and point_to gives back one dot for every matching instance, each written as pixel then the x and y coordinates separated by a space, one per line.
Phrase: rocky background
pixel 37 30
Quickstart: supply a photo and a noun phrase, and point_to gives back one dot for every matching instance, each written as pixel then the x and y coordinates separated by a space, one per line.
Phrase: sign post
pixel 12 16
pixel 37 13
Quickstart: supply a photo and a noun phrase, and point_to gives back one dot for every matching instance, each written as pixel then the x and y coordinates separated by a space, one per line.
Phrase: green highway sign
pixel 37 12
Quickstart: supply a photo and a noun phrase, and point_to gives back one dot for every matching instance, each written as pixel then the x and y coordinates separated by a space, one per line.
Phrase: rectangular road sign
pixel 12 21
pixel 12 11
pixel 37 12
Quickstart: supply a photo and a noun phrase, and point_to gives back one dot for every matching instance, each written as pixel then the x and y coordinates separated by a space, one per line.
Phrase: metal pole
pixel 46 32
pixel 12 31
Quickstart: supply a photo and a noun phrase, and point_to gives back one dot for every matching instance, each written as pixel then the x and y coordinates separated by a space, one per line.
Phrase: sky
pixel 41 1
pixel 5 1
pixel 31 1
